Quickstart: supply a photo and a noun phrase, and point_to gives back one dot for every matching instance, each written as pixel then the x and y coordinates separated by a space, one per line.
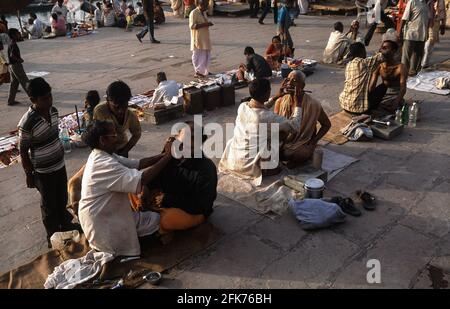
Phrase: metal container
pixel 314 188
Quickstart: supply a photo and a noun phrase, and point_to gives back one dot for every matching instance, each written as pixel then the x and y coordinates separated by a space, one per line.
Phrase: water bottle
pixel 398 116
pixel 405 114
pixel 65 138
pixel 413 116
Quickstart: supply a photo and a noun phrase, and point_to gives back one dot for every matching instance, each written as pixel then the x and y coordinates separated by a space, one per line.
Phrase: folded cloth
pixel 75 271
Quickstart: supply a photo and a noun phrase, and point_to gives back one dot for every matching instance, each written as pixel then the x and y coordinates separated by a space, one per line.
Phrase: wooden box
pixel 211 97
pixel 160 116
pixel 193 100
pixel 228 95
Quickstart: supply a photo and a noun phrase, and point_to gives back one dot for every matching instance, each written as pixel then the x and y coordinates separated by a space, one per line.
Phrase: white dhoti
pixel 201 58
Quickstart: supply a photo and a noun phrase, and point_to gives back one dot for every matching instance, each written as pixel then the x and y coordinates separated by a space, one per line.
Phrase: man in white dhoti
pixel 338 45
pixel 104 209
pixel 248 147
pixel 200 41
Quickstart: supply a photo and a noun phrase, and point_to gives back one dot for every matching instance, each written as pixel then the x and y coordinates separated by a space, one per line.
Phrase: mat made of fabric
pixel 338 121
pixel 154 257
pixel 426 81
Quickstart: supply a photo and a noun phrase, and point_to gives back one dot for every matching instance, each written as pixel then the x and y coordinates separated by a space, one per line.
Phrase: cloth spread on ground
pixel 75 271
pixel 338 121
pixel 426 81
pixel 37 74
pixel 154 256
pixel 271 197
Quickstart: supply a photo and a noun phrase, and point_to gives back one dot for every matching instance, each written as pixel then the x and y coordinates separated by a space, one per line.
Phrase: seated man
pixel 388 95
pixel 354 97
pixel 116 110
pixel 166 90
pixel 185 190
pixel 160 18
pixel 276 52
pixel 337 46
pixel 104 209
pixel 353 33
pixel 256 66
pixel 298 147
pixel 248 148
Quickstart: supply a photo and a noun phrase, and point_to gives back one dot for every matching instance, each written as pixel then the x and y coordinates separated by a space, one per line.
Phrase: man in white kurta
pixel 104 209
pixel 200 40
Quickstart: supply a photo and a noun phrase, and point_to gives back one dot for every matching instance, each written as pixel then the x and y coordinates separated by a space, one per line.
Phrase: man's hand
pixel 168 145
pixel 30 181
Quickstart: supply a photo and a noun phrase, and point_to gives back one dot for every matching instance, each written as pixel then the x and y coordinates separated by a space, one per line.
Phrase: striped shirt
pixel 42 139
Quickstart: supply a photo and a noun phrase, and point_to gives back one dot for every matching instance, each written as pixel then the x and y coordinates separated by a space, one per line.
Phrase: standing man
pixel 200 40
pixel 18 75
pixel 116 110
pixel 267 5
pixel 254 8
pixel 42 156
pixel 437 24
pixel 284 22
pixel 380 16
pixel 415 24
pixel 150 18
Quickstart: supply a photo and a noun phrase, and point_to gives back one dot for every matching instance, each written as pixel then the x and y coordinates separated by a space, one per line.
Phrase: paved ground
pixel 407 233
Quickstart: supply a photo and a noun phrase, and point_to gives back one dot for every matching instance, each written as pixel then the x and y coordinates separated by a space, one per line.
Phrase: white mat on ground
pixel 37 74
pixel 271 197
pixel 426 81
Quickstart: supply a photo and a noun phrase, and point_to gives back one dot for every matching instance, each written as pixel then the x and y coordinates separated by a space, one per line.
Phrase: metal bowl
pixel 153 277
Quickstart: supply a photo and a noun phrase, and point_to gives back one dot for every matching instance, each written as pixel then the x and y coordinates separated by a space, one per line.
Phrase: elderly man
pixel 200 40
pixel 337 46
pixel 354 98
pixel 150 18
pixel 166 90
pixel 298 147
pixel 104 210
pixel 246 151
pixel 116 110
pixel 415 23
pixel 437 24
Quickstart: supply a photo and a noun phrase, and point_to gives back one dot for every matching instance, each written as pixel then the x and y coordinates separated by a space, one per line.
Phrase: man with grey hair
pixel 299 146
pixel 200 40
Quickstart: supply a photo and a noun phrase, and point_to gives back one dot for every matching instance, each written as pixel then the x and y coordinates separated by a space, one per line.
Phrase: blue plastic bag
pixel 316 213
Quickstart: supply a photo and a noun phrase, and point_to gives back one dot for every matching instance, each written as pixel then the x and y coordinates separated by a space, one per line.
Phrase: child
pixel 129 15
pixel 90 102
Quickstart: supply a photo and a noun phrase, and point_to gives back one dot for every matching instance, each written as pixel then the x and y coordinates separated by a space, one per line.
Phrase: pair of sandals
pixel 347 205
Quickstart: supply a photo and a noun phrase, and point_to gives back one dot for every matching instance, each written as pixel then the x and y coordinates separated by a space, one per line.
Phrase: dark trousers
pixel 376 96
pixel 53 190
pixel 254 8
pixel 18 77
pixel 266 10
pixel 275 14
pixel 388 23
pixel 150 25
pixel 412 54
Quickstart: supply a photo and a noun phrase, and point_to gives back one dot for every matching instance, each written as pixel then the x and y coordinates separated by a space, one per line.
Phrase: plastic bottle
pixel 398 116
pixel 65 139
pixel 405 114
pixel 413 115
pixel 60 239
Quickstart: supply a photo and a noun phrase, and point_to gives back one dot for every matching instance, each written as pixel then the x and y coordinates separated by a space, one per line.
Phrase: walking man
pixel 18 75
pixel 150 18
pixel 380 16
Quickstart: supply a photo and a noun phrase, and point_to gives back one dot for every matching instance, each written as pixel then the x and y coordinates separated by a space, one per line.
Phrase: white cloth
pixel 109 19
pixel 165 91
pixel 336 48
pixel 245 149
pixel 75 271
pixel 426 81
pixel 104 209
pixel 201 58
pixel 98 15
pixel 416 17
pixel 303 6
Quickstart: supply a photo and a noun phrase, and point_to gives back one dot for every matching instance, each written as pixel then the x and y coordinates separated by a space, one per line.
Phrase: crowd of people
pixel 118 199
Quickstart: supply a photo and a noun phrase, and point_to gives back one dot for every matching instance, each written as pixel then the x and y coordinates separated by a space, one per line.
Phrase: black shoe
pixel 347 206
pixel 155 41
pixel 13 103
pixel 368 200
pixel 260 22
pixel 139 38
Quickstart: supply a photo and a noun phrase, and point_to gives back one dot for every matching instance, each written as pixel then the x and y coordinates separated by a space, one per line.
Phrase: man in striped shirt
pixel 42 157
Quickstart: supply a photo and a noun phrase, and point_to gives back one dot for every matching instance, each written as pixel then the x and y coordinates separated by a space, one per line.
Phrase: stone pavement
pixel 408 232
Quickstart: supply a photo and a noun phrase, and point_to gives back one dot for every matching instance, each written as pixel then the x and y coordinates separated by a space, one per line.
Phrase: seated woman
pixel 104 209
pixel 246 154
pixel 298 147
pixel 159 13
pixel 275 53
pixel 185 190
pixel 58 25
pixel 388 96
